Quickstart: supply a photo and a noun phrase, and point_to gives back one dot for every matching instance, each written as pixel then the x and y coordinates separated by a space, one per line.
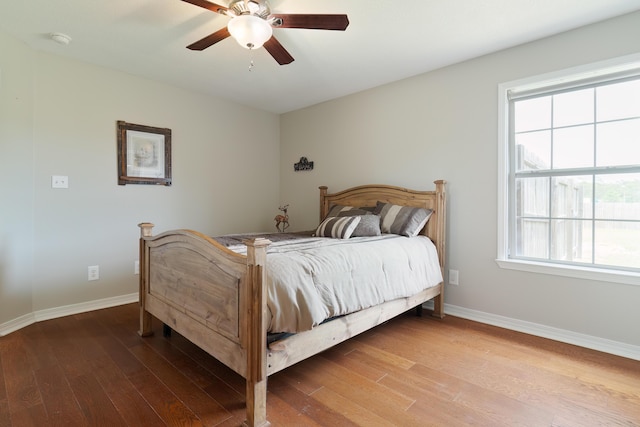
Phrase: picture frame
pixel 144 154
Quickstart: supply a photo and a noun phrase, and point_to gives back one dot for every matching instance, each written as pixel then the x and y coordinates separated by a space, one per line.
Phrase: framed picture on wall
pixel 144 154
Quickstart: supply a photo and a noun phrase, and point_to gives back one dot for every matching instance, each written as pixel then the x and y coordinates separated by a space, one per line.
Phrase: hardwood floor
pixel 93 369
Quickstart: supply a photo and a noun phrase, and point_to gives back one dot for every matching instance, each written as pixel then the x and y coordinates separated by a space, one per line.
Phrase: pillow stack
pixel 344 222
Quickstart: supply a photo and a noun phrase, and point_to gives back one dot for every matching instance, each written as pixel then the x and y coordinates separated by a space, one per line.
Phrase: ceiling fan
pixel 252 24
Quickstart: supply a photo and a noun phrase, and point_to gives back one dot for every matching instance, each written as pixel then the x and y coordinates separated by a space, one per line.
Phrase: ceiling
pixel 386 41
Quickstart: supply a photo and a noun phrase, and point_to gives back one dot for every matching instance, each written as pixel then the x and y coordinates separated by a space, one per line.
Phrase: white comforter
pixel 312 280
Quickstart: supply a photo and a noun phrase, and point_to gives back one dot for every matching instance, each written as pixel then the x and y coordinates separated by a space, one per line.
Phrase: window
pixel 570 160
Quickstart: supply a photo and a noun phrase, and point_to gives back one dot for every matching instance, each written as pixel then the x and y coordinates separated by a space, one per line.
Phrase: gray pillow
pixel 369 223
pixel 342 210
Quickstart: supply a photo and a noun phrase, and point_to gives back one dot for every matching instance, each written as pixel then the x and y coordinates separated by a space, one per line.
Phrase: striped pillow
pixel 402 220
pixel 338 227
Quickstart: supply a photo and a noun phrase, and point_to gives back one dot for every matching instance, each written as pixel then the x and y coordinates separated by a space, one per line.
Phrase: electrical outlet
pixel 136 267
pixel 59 181
pixel 453 277
pixel 93 272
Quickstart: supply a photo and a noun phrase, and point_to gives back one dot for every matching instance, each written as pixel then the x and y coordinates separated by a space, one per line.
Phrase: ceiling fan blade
pixel 311 21
pixel 208 5
pixel 211 39
pixel 278 51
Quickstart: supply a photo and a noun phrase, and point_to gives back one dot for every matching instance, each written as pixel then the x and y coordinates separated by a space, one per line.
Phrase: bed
pixel 218 298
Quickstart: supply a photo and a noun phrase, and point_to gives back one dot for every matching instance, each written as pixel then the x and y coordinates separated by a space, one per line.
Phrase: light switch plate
pixel 93 272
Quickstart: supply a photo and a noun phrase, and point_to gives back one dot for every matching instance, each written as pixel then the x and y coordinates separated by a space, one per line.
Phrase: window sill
pixel 615 276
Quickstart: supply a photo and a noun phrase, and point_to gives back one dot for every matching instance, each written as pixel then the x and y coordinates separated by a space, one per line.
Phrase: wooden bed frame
pixel 216 298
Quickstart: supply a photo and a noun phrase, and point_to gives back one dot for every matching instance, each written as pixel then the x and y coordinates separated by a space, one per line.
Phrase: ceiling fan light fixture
pixel 250 31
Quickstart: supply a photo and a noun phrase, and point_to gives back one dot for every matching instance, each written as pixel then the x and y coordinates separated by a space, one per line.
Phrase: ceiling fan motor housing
pixel 259 8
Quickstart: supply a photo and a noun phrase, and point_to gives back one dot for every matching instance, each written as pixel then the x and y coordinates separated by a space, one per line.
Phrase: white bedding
pixel 314 279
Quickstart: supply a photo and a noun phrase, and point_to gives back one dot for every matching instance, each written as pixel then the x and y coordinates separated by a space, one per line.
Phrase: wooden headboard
pixel 369 195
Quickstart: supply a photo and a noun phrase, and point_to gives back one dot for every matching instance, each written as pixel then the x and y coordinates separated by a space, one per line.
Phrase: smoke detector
pixel 60 38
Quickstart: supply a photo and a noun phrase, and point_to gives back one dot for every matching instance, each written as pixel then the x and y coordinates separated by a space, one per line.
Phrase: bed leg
pixel 419 310
pixel 145 323
pixel 256 404
pixel 438 306
pixel 166 330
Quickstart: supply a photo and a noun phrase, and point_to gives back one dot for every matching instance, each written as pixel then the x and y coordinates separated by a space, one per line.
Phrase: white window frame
pixel 627 65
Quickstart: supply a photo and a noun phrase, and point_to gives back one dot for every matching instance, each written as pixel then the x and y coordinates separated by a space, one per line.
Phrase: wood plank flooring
pixel 92 369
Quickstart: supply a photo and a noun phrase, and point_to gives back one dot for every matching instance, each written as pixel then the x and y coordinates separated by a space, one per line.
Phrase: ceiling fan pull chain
pixel 250 59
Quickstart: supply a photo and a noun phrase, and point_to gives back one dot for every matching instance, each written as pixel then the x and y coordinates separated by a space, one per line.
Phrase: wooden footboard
pixel 213 297
pixel 216 298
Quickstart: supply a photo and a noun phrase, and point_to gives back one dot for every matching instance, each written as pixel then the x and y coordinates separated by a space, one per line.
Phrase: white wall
pixel 443 125
pixel 16 179
pixel 62 118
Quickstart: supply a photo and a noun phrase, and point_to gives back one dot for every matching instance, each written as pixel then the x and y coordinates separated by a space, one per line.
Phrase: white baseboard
pixel 67 310
pixel 562 335
pixel 17 323
pixel 600 344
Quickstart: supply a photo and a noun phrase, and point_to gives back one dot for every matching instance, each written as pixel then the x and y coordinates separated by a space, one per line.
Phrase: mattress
pixel 313 279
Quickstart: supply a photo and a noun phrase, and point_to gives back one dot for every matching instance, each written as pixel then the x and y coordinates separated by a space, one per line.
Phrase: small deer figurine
pixel 282 221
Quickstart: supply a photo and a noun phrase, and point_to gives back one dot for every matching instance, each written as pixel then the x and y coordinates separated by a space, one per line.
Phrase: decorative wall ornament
pixel 282 220
pixel 303 165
